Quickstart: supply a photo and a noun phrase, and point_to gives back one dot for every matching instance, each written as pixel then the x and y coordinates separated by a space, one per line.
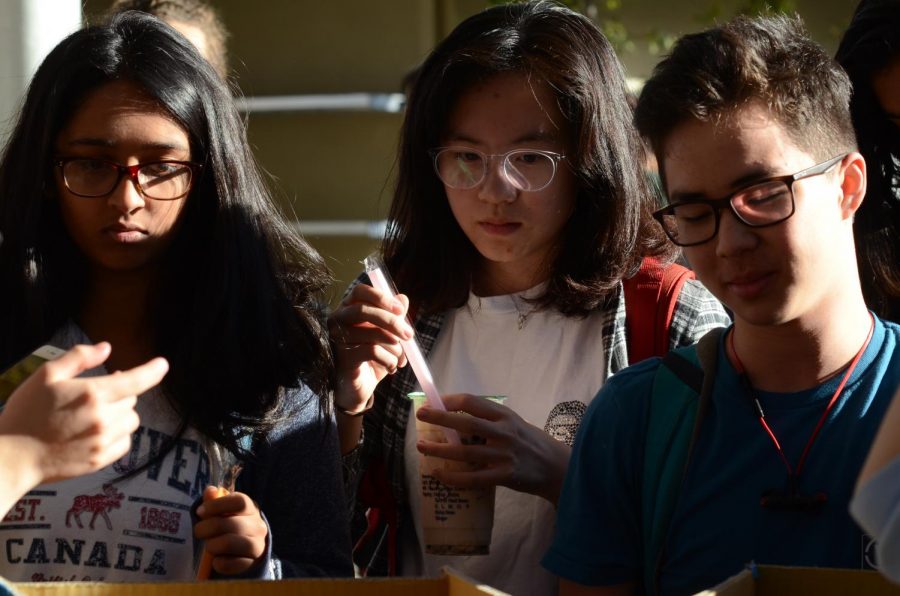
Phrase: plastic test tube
pixel 381 280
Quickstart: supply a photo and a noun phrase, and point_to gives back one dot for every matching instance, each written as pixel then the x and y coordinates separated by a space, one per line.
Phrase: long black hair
pixel 237 312
pixel 610 228
pixel 869 45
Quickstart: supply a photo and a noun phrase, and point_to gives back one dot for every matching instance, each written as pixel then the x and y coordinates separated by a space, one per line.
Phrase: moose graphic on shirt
pixel 97 505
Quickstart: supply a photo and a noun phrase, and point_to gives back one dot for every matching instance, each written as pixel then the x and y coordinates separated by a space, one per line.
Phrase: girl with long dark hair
pixel 521 205
pixel 132 212
pixel 870 53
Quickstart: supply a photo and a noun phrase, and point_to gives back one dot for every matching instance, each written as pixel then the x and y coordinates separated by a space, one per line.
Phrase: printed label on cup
pixel 455 521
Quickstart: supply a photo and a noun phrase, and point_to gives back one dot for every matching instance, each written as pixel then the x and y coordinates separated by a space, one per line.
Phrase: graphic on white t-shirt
pixel 564 420
pixel 104 527
pixel 96 505
pixel 549 370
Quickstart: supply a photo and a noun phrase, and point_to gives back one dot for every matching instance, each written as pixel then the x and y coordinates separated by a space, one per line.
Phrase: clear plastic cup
pixel 455 521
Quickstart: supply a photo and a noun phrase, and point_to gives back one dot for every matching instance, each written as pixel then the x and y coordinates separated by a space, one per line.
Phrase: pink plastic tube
pixel 382 281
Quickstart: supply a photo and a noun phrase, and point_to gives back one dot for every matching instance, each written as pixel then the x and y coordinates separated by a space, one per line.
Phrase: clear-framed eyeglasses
pixel 528 170
pixel 764 203
pixel 160 180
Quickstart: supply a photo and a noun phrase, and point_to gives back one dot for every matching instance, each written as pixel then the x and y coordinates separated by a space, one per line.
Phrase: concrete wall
pixel 29 29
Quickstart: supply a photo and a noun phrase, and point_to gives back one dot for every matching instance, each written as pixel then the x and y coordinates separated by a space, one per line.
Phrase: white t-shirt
pixel 91 529
pixel 550 367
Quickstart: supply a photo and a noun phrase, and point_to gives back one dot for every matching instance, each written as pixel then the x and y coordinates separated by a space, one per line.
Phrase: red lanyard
pixel 762 416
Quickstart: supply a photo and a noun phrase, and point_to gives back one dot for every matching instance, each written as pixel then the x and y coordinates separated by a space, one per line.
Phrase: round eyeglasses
pixel 160 180
pixel 528 170
pixel 764 203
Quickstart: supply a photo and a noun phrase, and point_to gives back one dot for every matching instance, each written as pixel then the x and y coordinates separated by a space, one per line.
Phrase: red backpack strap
pixel 650 298
pixel 382 519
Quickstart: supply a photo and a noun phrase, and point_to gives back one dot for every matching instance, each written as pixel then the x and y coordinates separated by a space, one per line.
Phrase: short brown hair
pixel 191 12
pixel 771 59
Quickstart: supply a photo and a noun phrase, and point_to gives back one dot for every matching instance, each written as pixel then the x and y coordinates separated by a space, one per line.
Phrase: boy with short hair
pixel 751 127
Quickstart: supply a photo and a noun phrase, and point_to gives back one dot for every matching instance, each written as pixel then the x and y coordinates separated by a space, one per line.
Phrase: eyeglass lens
pixel 96 178
pixel 763 204
pixel 526 170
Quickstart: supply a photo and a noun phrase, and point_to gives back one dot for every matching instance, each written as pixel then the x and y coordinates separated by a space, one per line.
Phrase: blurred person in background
pixel 870 53
pixel 197 20
pixel 876 505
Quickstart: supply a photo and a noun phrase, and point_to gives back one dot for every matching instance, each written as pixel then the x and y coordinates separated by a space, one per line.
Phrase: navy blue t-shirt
pixel 718 524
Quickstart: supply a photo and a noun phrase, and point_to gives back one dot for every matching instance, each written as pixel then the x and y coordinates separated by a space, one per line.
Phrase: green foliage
pixel 656 41
pixel 755 7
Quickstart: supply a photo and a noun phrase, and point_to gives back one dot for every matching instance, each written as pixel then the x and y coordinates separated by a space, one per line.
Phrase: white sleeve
pixel 876 507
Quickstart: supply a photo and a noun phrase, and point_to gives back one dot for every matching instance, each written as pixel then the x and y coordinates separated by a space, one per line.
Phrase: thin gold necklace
pixel 522 316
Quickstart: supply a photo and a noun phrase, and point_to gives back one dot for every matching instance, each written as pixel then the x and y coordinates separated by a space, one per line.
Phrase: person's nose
pixel 126 197
pixel 734 237
pixel 496 186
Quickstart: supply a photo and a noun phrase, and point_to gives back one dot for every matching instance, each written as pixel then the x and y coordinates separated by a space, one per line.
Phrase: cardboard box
pixel 772 580
pixel 451 584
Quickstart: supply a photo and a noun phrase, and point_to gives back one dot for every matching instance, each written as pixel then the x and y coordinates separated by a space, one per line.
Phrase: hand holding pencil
pixel 234 532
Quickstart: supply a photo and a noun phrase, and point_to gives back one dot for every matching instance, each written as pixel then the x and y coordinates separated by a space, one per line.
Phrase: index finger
pixel 342 322
pixel 235 503
pixel 464 424
pixel 133 381
pixel 478 406
pixel 366 293
pixel 75 361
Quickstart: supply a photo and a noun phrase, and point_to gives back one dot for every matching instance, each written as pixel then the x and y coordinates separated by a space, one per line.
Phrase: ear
pixel 852 177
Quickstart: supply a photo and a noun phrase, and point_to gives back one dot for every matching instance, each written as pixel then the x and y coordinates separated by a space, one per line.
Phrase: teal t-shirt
pixel 719 524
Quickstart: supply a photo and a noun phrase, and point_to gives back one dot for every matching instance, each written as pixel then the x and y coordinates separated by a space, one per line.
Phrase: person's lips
pixel 749 285
pixel 499 227
pixel 125 233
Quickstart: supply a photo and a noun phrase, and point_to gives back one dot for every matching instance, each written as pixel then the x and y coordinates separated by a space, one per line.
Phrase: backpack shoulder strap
pixel 682 389
pixel 650 298
pixel 381 521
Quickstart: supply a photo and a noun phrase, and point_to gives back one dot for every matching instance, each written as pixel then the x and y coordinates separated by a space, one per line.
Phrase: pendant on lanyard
pixel 790 498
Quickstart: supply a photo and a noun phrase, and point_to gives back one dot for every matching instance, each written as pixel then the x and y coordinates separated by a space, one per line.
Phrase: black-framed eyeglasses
pixel 528 170
pixel 764 203
pixel 164 180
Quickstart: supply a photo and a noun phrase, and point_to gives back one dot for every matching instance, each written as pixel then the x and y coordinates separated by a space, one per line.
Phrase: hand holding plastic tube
pixel 381 280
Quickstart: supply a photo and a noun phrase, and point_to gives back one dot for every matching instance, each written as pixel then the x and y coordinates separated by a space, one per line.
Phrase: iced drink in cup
pixel 455 521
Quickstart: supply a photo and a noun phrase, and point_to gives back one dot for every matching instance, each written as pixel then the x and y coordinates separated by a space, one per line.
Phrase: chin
pixel 766 315
pixel 123 265
pixel 495 254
